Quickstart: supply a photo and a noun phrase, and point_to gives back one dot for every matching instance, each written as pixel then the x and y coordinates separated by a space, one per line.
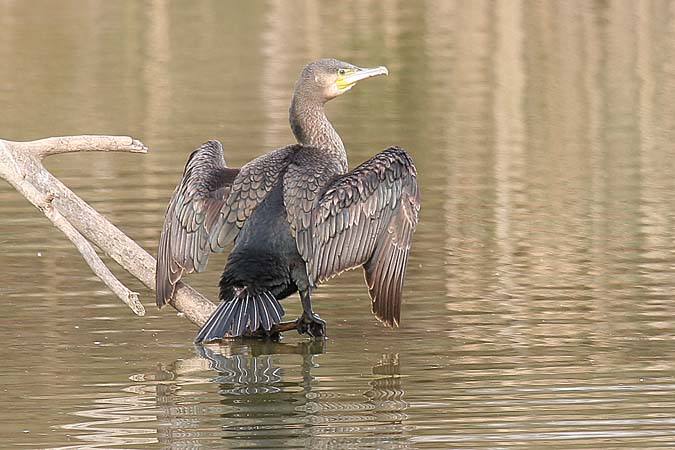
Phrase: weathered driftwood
pixel 21 165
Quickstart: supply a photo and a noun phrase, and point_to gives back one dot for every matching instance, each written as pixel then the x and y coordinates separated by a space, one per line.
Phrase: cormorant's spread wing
pixel 208 208
pixel 365 217
pixel 194 211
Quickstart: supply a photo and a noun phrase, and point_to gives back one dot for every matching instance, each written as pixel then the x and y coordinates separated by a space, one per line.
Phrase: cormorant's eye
pixel 342 71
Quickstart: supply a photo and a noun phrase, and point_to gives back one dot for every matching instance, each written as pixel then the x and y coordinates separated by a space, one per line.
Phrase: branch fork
pixel 21 166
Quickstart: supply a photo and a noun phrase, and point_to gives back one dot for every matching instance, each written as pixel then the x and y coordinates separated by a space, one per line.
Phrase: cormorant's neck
pixel 311 127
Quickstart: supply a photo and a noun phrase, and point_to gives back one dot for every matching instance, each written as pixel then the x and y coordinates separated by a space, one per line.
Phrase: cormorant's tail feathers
pixel 244 312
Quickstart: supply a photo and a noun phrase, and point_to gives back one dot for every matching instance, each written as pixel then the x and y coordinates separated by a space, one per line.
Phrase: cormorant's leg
pixel 310 322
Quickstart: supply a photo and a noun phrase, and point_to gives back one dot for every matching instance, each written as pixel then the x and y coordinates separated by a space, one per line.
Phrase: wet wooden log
pixel 21 166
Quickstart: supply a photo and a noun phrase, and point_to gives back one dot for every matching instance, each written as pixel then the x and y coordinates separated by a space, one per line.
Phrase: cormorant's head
pixel 328 78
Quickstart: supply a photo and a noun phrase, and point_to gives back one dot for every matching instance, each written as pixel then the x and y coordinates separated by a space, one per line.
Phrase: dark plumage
pixel 296 216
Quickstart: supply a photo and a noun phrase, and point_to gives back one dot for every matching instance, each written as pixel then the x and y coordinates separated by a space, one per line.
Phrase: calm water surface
pixel 539 301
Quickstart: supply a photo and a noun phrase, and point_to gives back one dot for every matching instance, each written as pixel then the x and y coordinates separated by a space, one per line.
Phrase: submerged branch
pixel 21 166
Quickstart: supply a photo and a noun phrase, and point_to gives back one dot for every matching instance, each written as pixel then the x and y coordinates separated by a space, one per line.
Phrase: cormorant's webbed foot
pixel 312 325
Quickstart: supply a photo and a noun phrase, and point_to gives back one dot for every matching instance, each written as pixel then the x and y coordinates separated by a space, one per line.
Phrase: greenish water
pixel 538 307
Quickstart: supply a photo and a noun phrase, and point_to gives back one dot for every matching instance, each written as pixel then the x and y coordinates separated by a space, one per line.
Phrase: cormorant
pixel 297 217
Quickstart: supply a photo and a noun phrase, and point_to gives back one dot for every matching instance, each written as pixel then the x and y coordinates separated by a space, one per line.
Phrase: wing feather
pixel 363 218
pixel 208 208
pixel 255 180
pixel 193 210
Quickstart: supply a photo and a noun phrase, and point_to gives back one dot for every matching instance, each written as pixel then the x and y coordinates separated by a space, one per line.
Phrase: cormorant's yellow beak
pixel 350 78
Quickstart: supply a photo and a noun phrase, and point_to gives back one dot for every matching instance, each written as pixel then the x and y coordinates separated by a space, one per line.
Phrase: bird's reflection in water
pixel 253 371
pixel 386 392
pixel 268 398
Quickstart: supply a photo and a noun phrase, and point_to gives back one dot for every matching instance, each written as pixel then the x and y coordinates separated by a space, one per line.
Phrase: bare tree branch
pixel 21 166
pixel 89 254
pixel 85 143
